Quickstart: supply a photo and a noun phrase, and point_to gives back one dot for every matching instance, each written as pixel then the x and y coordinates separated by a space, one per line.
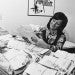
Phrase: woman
pixel 52 35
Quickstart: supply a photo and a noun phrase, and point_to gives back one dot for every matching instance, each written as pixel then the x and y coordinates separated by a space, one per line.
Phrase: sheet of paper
pixel 15 44
pixel 27 31
pixel 11 53
pixel 68 44
pixel 63 64
pixel 48 61
pixel 38 49
pixel 18 61
pixel 35 69
pixel 60 54
pixel 50 71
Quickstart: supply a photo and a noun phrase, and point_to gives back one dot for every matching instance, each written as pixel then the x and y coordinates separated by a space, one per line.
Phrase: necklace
pixel 51 35
pixel 53 32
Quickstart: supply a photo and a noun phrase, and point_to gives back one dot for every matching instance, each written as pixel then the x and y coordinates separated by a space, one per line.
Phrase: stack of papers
pixel 10 54
pixel 37 69
pixel 16 58
pixel 18 61
pixel 63 64
pixel 60 60
pixel 15 44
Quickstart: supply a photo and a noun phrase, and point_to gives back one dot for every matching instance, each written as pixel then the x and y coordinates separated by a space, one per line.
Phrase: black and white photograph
pixel 37 37
pixel 41 7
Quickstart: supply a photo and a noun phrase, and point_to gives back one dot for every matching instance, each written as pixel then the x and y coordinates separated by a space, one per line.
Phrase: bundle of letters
pixel 16 53
pixel 58 63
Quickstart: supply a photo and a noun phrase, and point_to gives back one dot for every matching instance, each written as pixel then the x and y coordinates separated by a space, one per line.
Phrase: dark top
pixel 54 39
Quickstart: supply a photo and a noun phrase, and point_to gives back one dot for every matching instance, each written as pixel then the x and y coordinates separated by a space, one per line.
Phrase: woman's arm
pixel 41 43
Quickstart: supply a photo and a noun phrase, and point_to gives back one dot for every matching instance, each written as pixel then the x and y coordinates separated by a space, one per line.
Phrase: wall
pixel 13 13
pixel 67 6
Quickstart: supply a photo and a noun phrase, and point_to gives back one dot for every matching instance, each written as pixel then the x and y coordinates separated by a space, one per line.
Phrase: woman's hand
pixel 38 34
pixel 34 39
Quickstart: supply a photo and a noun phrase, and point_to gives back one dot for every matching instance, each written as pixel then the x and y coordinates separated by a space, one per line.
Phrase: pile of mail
pixel 58 63
pixel 62 61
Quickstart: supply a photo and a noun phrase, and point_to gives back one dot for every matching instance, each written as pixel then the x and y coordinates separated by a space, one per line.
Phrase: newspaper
pixel 28 32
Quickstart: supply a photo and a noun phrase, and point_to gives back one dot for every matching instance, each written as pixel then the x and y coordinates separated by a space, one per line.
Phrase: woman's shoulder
pixel 63 35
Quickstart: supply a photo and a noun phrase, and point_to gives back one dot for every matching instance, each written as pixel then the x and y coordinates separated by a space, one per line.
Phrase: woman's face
pixel 54 24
